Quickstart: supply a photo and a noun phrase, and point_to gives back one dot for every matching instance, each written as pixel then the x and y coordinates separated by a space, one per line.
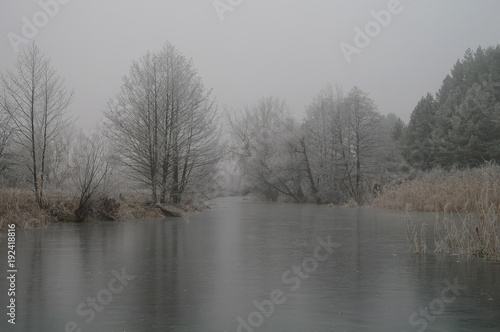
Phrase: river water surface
pixel 246 266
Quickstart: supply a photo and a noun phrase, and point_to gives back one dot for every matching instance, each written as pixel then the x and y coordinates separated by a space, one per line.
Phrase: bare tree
pixel 135 119
pixel 262 145
pixel 5 136
pixel 319 145
pixel 341 145
pixel 58 159
pixel 36 100
pixel 191 143
pixel 93 165
pixel 164 124
pixel 364 135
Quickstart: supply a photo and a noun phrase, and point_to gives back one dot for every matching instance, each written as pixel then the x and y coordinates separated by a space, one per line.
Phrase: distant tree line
pixel 163 132
pixel 336 154
pixel 345 150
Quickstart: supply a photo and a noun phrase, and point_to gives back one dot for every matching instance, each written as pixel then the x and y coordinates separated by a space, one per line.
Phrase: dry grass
pixel 19 207
pixel 467 206
pixel 473 235
pixel 465 191
pixel 135 206
pixel 416 237
pixel 60 206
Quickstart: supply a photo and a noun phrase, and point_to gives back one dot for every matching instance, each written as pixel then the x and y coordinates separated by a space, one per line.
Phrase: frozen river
pixel 246 266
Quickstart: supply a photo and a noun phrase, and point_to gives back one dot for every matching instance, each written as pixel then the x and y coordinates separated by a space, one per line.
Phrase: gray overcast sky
pixel 284 48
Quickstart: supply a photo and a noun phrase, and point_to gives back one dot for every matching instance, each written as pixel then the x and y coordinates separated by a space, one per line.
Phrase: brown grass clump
pixel 456 191
pixel 19 207
pixel 468 211
pixel 136 206
pixel 60 207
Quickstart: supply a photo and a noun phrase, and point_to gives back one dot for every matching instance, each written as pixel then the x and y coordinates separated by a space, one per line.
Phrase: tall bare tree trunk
pixel 36 100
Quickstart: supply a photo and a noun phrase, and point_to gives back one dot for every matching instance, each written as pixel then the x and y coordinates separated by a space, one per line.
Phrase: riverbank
pixel 19 207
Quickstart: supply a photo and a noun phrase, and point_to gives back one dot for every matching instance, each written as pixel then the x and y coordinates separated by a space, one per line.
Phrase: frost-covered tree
pixel 344 137
pixel 262 136
pixel 362 143
pixel 91 172
pixel 5 137
pixel 321 145
pixel 163 123
pixel 36 100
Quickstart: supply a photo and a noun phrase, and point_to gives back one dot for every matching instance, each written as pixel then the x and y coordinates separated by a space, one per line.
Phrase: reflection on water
pixel 222 271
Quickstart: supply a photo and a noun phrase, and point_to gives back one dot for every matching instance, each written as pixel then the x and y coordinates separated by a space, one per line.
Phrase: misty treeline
pixel 336 154
pixel 160 135
pixel 344 150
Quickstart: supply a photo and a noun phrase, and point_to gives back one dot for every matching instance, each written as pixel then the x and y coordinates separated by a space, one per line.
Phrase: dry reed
pixel 470 235
pixel 440 191
pixel 416 239
pixel 468 211
pixel 19 207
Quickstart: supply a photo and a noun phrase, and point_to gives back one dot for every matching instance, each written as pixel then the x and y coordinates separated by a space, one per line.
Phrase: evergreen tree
pixel 460 127
pixel 417 140
pixel 474 137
